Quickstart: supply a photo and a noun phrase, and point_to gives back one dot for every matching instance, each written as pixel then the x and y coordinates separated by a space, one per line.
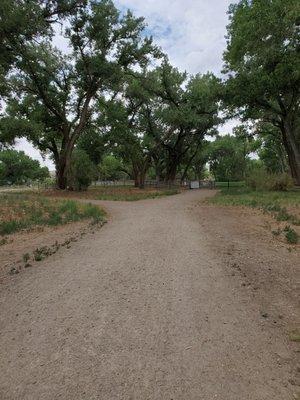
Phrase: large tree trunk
pixel 68 143
pixel 184 174
pixel 188 164
pixel 135 174
pixel 61 179
pixel 140 169
pixel 174 159
pixel 292 147
pixel 157 167
pixel 142 179
pixel 171 170
pixel 139 179
pixel 62 167
pixel 157 173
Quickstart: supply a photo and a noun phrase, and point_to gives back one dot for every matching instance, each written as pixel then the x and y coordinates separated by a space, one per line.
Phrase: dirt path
pixel 142 309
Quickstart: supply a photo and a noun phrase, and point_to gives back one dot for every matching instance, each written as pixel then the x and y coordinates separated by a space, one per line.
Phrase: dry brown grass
pixel 115 193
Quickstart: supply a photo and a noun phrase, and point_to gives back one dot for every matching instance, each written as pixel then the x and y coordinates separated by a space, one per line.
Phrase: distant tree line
pixel 17 168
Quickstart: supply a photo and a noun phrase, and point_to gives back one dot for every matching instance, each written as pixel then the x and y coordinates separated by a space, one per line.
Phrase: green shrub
pixel 54 218
pixel 70 210
pixel 260 179
pixel 18 168
pixel 291 235
pixel 283 215
pixel 7 227
pixel 271 207
pixel 81 172
pixel 256 178
pixel 281 182
pixel 93 212
pixel 111 168
pixel 40 253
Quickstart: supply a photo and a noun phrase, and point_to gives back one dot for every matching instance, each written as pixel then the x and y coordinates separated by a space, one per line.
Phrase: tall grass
pixel 253 198
pixel 22 211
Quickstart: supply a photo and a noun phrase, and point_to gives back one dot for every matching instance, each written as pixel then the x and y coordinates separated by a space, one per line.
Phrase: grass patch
pixel 291 235
pixel 243 196
pixel 8 227
pixel 272 202
pixel 283 206
pixel 115 193
pixel 25 211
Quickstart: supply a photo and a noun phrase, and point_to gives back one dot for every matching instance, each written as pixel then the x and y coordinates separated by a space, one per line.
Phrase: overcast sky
pixel 191 32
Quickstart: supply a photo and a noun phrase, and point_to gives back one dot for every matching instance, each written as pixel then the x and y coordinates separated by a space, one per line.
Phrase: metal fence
pixel 123 182
pixel 158 184
pixel 119 183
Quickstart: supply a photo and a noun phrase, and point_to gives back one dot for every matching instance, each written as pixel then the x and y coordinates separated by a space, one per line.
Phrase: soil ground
pixel 172 299
pixel 16 246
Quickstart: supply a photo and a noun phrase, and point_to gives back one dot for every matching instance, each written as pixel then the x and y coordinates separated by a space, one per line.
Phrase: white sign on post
pixel 194 185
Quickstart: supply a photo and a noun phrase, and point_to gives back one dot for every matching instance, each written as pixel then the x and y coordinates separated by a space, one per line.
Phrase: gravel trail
pixel 141 309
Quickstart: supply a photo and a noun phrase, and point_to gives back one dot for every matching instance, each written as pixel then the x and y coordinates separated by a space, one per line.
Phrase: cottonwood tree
pixel 94 143
pixel 229 155
pixel 185 111
pixel 227 159
pixel 53 95
pixel 262 61
pixel 17 168
pixel 271 150
pixel 22 21
pixel 194 164
pixel 111 168
pixel 128 129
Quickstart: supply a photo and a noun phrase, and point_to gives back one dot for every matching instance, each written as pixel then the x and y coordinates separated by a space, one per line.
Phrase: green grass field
pixel 20 211
pixel 243 196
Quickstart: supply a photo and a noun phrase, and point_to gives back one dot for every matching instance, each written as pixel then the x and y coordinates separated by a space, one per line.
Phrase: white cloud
pixel 24 145
pixel 191 32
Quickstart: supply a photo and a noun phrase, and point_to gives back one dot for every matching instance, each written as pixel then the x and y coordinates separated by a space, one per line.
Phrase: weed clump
pixel 291 235
pixel 26 257
pixel 23 211
pixel 261 179
pixel 277 232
